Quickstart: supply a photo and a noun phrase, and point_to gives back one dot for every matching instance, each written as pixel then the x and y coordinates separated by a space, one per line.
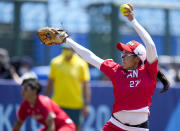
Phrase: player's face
pixel 129 60
pixel 27 92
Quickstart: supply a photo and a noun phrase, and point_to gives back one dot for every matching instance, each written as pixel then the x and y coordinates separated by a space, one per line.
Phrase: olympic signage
pixel 165 113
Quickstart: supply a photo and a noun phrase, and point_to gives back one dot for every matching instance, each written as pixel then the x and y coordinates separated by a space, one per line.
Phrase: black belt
pixel 142 125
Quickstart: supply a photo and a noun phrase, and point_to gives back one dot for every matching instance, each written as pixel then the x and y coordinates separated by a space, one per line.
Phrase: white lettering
pixel 134 83
pixel 137 82
pixel 129 75
pixel 88 125
pixel 96 119
pixel 5 117
pixel 135 73
pixel 103 114
pixel 131 83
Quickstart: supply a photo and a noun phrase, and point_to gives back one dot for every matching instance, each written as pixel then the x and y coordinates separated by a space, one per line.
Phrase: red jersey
pixel 133 89
pixel 40 110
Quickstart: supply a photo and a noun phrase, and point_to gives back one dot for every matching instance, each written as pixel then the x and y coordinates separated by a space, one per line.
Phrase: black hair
pixel 164 81
pixel 33 83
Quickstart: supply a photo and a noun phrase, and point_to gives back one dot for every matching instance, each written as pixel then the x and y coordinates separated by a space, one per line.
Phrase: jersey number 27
pixel 134 83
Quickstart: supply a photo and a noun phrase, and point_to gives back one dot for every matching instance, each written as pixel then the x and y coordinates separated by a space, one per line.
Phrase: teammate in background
pixel 41 108
pixel 24 70
pixel 133 82
pixel 4 64
pixel 69 76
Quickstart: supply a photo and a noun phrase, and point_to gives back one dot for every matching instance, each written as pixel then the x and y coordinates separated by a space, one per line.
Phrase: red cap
pixel 133 47
pixel 129 47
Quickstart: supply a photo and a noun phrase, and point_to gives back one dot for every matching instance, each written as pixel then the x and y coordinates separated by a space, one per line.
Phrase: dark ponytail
pixel 164 81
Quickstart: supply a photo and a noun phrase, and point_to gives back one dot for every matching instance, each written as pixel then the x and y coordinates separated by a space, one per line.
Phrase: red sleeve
pixel 45 104
pixel 45 112
pixel 109 67
pixel 22 112
pixel 152 68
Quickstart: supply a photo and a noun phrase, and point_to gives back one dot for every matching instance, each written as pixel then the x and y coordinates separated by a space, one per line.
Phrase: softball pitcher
pixel 133 82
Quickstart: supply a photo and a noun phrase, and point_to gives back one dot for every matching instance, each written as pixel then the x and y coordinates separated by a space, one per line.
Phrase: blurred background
pixel 97 25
